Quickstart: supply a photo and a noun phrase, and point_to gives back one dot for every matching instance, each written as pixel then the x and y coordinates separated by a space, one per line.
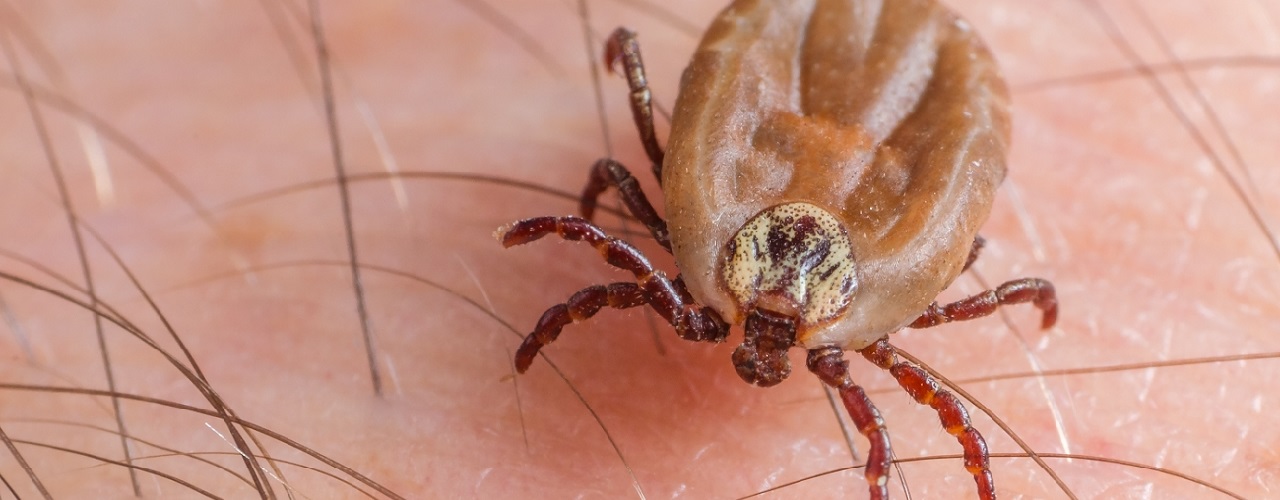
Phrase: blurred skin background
pixel 1110 195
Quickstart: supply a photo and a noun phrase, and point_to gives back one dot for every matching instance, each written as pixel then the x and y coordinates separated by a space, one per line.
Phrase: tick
pixel 828 168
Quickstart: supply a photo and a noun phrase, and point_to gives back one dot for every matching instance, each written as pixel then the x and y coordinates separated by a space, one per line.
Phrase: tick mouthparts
pixel 762 358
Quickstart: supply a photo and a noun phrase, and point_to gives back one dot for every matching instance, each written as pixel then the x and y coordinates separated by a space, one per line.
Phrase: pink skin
pixel 1153 255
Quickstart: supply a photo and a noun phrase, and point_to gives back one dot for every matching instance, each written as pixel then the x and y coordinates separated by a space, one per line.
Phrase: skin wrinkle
pixel 1107 176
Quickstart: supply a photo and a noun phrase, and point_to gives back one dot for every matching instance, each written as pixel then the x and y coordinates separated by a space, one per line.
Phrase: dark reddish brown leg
pixel 955 419
pixel 581 306
pixel 1034 290
pixel 669 299
pixel 683 290
pixel 607 173
pixel 622 49
pixel 829 365
pixel 978 243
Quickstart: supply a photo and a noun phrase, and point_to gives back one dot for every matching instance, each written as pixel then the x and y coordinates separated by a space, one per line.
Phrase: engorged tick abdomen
pixel 890 115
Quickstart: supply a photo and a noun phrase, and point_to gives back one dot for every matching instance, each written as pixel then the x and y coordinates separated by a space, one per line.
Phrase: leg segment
pixel 829 365
pixel 581 306
pixel 955 419
pixel 669 299
pixel 978 243
pixel 623 49
pixel 607 173
pixel 1034 290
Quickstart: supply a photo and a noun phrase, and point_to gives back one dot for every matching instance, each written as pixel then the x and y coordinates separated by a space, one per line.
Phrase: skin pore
pixel 1155 257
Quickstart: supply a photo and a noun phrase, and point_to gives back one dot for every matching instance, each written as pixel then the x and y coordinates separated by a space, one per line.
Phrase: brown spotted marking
pixel 793 259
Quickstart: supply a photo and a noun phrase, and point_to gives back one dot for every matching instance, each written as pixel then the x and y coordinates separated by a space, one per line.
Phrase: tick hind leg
pixel 1035 290
pixel 622 49
pixel 955 419
pixel 668 298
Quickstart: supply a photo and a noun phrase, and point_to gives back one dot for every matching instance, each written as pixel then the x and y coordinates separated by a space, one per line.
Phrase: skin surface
pixel 1154 256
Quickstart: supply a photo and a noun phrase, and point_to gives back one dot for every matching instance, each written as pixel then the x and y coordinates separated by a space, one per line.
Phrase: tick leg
pixel 829 365
pixel 623 49
pixel 581 306
pixel 1034 290
pixel 978 243
pixel 668 298
pixel 955 419
pixel 607 172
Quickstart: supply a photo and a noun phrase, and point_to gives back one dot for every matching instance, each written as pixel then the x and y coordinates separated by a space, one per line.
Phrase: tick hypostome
pixel 828 168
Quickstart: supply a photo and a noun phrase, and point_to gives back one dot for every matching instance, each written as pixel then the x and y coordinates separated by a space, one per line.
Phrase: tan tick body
pixel 891 116
pixel 829 166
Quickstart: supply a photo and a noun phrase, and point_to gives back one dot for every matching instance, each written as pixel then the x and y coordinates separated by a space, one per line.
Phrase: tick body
pixel 829 166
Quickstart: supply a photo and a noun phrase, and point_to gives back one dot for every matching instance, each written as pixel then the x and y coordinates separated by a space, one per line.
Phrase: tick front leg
pixel 623 49
pixel 669 299
pixel 1034 290
pixel 955 419
pixel 829 365
pixel 581 306
pixel 607 172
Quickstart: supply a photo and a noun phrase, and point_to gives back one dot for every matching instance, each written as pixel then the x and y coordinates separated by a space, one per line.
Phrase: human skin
pixel 1154 256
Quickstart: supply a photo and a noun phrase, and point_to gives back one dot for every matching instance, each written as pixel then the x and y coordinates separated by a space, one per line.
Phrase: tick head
pixel 790 269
